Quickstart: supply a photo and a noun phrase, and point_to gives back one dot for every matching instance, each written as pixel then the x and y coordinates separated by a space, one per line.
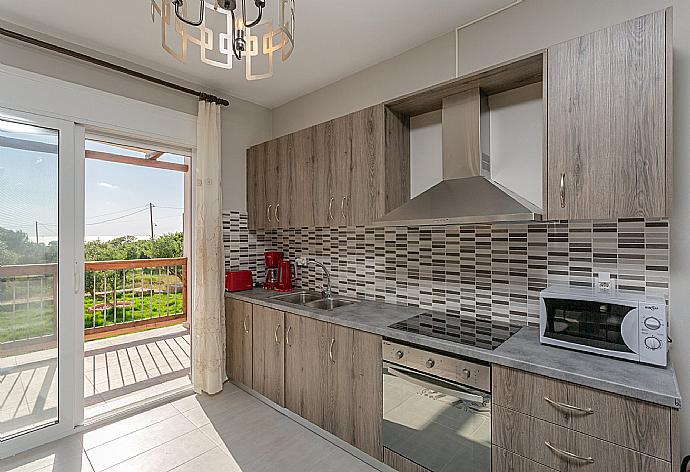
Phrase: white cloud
pixel 106 185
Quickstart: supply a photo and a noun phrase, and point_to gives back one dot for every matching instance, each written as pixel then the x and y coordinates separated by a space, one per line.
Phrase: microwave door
pixel 630 331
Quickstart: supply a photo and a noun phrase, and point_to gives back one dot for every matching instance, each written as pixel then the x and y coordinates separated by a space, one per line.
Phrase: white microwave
pixel 622 325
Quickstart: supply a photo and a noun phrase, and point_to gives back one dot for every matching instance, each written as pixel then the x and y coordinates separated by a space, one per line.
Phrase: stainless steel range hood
pixel 467 194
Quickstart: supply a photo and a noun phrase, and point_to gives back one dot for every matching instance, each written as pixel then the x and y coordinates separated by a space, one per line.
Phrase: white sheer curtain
pixel 208 314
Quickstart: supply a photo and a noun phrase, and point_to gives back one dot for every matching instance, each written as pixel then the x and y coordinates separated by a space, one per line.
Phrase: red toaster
pixel 238 280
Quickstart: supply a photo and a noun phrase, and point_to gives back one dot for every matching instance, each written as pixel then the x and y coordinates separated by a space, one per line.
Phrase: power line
pixel 116 212
pixel 118 218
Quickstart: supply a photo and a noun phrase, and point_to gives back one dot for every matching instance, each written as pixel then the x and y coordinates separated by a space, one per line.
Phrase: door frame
pixel 70 287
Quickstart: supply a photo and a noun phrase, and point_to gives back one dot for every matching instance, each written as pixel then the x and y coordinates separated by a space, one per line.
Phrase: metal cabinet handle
pixel 330 209
pixel 342 207
pixel 275 335
pixel 277 213
pixel 287 336
pixel 268 213
pixel 563 190
pixel 330 351
pixel 569 455
pixel 586 411
pixel 244 324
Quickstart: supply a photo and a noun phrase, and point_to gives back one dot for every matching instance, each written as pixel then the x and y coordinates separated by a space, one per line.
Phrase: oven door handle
pixel 459 393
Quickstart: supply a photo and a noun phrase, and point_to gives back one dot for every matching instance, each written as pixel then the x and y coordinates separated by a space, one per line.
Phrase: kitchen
pixel 414 239
pixel 441 332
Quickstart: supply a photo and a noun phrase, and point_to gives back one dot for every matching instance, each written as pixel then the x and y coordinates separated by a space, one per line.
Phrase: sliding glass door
pixel 41 252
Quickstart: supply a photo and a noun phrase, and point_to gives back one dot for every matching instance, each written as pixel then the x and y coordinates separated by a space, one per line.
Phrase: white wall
pixel 527 27
pixel 426 65
pixel 517 130
pixel 244 123
pixel 426 146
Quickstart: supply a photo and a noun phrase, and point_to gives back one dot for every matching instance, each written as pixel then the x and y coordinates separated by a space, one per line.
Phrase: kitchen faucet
pixel 303 261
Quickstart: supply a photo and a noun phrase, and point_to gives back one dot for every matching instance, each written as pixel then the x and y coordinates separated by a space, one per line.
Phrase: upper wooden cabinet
pixel 346 171
pixel 609 122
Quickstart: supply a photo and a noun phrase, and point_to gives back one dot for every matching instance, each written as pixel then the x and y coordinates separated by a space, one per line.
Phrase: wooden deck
pixel 118 372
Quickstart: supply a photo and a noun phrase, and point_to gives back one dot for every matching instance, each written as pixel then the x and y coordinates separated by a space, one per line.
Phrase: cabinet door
pixel 324 205
pixel 306 367
pixel 256 186
pixel 366 202
pixel 284 217
pixel 302 203
pixel 342 170
pixel 268 354
pixel 271 182
pixel 341 416
pixel 606 146
pixel 355 389
pixel 238 319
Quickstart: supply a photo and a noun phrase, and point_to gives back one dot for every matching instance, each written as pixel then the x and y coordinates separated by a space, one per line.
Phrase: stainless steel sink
pixel 314 300
pixel 298 298
pixel 330 303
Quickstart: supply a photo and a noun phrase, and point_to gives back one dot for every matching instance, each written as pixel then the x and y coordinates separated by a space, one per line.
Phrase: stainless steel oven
pixel 436 409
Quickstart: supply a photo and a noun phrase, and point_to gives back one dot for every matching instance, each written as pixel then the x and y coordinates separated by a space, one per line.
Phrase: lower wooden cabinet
pixel 504 461
pixel 268 355
pixel 306 367
pixel 238 321
pixel 563 449
pixel 333 379
pixel 328 374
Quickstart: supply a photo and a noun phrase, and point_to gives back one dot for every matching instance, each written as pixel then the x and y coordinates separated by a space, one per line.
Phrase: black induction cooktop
pixel 484 334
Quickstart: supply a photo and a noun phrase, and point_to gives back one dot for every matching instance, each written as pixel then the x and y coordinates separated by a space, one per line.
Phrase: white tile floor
pixel 231 431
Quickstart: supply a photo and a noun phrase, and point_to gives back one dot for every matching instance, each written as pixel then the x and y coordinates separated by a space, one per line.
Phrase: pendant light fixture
pixel 223 32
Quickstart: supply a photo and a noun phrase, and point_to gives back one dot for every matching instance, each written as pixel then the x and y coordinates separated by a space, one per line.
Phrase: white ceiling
pixel 334 38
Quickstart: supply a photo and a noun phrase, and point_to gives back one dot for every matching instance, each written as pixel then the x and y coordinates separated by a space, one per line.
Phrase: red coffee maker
pixel 286 276
pixel 272 260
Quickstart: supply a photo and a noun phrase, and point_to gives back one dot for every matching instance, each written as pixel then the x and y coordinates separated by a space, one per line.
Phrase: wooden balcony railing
pixel 28 295
pixel 120 296
pixel 127 296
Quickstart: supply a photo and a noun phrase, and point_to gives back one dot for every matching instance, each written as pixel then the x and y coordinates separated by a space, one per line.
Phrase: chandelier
pixel 223 33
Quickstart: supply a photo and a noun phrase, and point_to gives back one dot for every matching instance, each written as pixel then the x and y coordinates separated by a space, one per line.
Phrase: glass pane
pixel 590 323
pixel 28 278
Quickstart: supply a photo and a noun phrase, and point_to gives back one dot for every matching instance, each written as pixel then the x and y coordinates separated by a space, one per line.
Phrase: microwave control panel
pixel 653 331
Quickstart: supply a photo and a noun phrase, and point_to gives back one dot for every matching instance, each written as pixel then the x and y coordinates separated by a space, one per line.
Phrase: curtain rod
pixel 111 66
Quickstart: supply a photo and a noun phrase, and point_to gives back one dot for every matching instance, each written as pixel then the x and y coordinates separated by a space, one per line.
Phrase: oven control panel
pixel 446 367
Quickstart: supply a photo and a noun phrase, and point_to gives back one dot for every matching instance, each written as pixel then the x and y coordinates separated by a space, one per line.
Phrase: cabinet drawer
pixel 563 449
pixel 624 421
pixel 505 461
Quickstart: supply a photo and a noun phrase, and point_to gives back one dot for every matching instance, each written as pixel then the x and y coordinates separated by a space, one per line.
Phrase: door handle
pixel 330 209
pixel 563 190
pixel 287 336
pixel 277 213
pixel 275 334
pixel 268 213
pixel 244 325
pixel 342 207
pixel 330 351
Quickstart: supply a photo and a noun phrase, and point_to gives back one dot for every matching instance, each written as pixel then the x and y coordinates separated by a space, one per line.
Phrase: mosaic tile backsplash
pixel 489 271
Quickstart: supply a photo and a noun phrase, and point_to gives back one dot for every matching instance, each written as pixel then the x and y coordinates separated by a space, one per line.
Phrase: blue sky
pixel 124 191
pixel 116 195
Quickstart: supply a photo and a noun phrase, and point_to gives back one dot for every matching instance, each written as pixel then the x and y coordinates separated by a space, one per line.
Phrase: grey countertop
pixel 522 351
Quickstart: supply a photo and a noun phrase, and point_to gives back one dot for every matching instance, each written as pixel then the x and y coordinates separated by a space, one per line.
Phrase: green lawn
pixel 32 321
pixel 24 324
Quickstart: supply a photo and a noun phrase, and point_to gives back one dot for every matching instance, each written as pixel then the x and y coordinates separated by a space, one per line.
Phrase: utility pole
pixel 151 214
pixel 37 232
